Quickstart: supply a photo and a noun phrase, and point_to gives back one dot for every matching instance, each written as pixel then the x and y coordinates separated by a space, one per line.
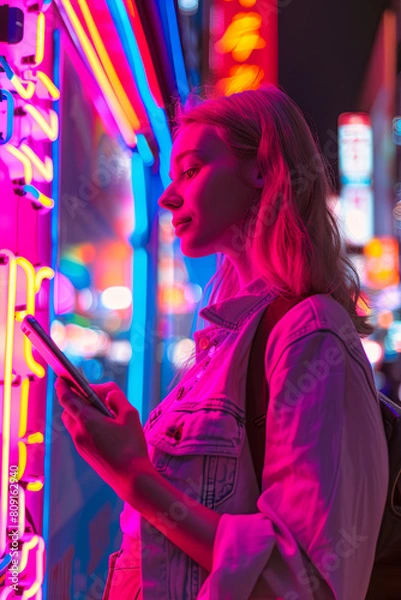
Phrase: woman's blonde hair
pixel 291 232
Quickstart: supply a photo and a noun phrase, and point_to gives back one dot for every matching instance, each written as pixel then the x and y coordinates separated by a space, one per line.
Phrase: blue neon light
pixel 136 370
pixel 6 95
pixel 156 115
pixel 178 58
pixel 8 70
pixel 54 254
pixel 144 150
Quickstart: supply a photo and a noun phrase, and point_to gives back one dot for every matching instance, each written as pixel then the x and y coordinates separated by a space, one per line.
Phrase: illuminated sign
pixel 28 126
pixel 381 267
pixel 355 148
pixel 20 282
pixel 243 44
pixel 357 213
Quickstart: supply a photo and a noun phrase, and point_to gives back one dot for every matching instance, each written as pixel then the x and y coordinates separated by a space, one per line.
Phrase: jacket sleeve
pixel 302 544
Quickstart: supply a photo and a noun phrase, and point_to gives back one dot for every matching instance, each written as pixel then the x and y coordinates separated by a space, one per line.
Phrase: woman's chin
pixel 192 250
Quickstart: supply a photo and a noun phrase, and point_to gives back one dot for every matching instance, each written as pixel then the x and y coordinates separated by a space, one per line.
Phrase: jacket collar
pixel 232 312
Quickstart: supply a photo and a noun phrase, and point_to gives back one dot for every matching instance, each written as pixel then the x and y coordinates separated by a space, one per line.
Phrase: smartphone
pixel 60 364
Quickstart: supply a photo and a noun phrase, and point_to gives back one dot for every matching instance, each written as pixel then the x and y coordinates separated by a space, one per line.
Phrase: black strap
pixel 257 392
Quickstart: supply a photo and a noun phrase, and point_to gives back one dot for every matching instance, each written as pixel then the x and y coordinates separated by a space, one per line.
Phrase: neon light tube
pixel 7 378
pixel 29 270
pixel 112 101
pixel 40 39
pixel 41 274
pixel 5 95
pixel 39 198
pixel 45 168
pixel 145 152
pixel 27 93
pixel 24 160
pixel 50 128
pixel 23 418
pixel 156 115
pixel 49 85
pixel 108 66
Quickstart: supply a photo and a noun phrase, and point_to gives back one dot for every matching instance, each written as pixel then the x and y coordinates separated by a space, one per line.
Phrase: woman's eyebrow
pixel 184 153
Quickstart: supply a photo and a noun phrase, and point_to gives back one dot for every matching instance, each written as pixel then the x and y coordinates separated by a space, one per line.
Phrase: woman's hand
pixel 115 448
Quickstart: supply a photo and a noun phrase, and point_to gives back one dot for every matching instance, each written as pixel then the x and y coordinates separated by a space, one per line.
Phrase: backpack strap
pixel 257 393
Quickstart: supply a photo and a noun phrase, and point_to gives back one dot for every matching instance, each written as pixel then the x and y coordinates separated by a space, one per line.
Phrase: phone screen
pixel 60 364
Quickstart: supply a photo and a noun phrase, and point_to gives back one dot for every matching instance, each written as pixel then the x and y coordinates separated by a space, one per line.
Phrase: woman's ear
pixel 257 178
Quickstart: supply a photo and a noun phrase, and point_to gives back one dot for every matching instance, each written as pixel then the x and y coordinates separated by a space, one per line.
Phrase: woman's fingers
pixel 103 389
pixel 68 421
pixel 113 396
pixel 74 404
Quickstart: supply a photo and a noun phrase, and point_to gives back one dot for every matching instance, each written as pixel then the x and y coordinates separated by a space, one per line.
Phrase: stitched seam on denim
pixel 342 343
pixel 322 330
pixel 236 325
pixel 182 408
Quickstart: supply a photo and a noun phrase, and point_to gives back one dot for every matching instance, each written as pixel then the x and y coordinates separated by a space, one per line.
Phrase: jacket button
pixel 204 343
pixel 180 392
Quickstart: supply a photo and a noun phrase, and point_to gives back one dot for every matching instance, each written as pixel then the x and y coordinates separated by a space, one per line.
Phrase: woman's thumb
pixel 116 401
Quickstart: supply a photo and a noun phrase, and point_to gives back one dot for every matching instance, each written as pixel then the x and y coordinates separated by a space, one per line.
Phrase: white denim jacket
pixel 311 533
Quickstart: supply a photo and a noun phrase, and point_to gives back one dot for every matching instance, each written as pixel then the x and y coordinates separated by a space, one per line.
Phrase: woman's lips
pixel 181 226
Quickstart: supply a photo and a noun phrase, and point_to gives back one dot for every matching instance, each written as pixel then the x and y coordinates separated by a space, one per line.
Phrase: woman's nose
pixel 168 199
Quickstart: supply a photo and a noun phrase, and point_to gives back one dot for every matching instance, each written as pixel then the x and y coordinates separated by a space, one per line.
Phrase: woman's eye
pixel 190 173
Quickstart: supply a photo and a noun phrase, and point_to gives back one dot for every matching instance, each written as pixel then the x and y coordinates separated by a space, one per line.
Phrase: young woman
pixel 249 183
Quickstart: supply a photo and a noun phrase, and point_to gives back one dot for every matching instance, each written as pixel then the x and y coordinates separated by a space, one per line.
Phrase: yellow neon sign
pixel 23 418
pixel 49 128
pixel 7 383
pixel 44 167
pixel 25 93
pixel 53 91
pixel 23 159
pixel 40 39
pixel 41 274
pixel 37 544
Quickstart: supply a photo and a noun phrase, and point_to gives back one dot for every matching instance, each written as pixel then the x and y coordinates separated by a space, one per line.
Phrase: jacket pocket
pixel 123 579
pixel 196 445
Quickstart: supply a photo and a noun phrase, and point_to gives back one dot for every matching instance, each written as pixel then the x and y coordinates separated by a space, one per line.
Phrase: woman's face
pixel 210 189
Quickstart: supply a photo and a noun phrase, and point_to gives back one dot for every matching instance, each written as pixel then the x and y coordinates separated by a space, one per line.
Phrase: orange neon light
pixel 50 128
pixel 245 3
pixel 113 102
pixel 242 36
pixel 108 65
pixel 241 77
